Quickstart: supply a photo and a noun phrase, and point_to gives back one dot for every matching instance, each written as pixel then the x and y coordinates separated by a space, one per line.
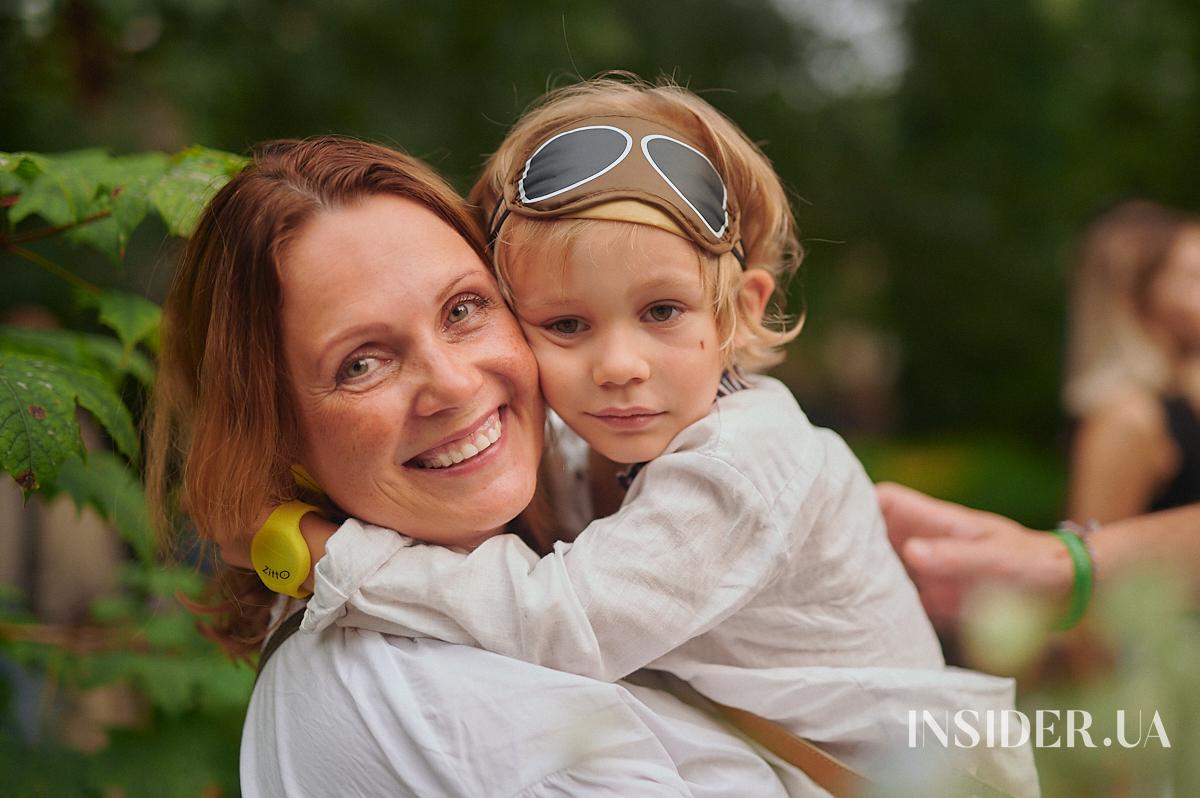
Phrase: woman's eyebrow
pixel 458 280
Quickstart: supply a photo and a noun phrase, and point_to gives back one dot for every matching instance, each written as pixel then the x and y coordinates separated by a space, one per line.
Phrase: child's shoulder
pixel 762 420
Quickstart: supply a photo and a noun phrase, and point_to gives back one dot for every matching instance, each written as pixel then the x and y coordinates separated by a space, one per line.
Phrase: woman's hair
pixel 222 426
pixel 1108 346
pixel 768 231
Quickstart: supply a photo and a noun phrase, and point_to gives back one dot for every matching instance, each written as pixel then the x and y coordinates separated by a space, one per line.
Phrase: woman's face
pixel 416 394
pixel 1174 300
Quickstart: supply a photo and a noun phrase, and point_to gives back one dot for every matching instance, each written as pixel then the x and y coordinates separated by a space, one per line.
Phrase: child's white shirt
pixel 754 541
pixel 750 559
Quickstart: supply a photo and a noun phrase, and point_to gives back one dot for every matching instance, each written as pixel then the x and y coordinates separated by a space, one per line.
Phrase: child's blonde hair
pixel 768 230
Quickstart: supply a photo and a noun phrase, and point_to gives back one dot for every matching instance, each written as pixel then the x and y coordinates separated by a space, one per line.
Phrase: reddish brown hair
pixel 222 429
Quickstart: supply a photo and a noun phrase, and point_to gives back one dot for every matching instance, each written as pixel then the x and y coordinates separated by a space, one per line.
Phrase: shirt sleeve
pixel 692 545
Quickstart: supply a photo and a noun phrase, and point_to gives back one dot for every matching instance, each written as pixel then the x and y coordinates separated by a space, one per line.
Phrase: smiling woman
pixel 333 310
pixel 418 371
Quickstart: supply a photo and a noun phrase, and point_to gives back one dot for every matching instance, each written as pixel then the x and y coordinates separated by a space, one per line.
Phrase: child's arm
pixel 694 543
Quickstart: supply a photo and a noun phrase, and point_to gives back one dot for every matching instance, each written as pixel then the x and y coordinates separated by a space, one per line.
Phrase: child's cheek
pixel 557 375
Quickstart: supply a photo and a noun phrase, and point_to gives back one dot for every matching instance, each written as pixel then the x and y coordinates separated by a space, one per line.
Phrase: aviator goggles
pixel 607 159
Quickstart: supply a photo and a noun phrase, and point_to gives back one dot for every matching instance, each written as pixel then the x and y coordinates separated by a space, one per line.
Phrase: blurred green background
pixel 942 155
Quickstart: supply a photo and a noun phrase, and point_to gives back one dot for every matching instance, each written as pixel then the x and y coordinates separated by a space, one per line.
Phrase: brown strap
pixel 282 632
pixel 828 772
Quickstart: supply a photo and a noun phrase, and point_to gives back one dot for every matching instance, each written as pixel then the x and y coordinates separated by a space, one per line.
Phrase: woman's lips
pixel 465 447
pixel 627 418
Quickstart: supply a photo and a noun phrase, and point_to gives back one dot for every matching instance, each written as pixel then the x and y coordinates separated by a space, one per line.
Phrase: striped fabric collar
pixel 732 381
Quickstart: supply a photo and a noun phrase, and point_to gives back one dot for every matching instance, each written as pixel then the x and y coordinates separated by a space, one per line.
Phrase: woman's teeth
pixel 464 449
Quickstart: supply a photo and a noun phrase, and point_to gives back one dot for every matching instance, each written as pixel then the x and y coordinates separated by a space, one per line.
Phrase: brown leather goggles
pixel 606 158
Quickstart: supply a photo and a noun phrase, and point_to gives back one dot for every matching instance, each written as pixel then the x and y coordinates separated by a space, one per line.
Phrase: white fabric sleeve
pixel 694 544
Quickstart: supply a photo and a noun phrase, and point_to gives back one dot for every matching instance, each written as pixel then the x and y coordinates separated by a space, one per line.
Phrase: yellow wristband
pixel 279 553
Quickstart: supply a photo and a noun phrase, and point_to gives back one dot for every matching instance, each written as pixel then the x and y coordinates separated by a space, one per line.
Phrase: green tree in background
pixel 938 194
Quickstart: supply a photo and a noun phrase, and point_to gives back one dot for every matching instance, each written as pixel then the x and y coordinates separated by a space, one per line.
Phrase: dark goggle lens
pixel 692 177
pixel 572 159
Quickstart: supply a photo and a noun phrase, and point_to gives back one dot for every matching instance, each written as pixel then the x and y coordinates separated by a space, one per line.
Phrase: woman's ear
pixel 755 292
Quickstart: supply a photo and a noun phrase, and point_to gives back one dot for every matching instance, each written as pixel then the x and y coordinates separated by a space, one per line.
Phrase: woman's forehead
pixel 379 259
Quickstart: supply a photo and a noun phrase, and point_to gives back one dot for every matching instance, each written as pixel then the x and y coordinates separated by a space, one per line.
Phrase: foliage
pixel 938 204
pixel 143 637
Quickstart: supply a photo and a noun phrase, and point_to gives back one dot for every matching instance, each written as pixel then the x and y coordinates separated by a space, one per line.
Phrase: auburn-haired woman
pixel 334 310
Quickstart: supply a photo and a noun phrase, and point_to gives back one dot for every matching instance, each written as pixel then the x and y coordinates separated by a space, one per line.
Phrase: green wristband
pixel 1081 589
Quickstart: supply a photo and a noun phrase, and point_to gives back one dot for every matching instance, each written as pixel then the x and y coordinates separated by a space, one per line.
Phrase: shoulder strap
pixel 830 773
pixel 827 771
pixel 282 632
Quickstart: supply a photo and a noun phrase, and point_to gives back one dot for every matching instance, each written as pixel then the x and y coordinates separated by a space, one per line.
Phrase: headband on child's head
pixel 603 160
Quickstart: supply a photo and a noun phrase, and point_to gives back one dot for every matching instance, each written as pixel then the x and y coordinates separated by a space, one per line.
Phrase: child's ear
pixel 755 292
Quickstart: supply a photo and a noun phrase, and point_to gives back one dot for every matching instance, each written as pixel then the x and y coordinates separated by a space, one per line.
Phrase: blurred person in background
pixel 1133 376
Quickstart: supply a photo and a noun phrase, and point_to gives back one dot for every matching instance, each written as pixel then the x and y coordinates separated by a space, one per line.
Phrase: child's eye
pixel 662 313
pixel 566 327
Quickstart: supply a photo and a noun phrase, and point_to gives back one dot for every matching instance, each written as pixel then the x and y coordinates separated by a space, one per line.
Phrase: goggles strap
pixel 494 224
pixel 739 253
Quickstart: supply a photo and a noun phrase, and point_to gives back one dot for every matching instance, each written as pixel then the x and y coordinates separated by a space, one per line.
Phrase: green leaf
pixel 195 175
pixel 125 185
pixel 60 193
pixel 134 318
pixel 38 431
pixel 107 484
pixel 99 353
pixel 24 165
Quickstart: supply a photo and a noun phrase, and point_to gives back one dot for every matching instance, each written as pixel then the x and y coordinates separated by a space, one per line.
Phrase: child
pixel 639 235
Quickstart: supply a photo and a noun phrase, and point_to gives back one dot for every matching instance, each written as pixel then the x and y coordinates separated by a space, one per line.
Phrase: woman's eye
pixel 662 313
pixel 462 309
pixel 565 326
pixel 357 368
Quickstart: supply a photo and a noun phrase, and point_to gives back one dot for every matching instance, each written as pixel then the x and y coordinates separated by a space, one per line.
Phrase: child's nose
pixel 619 362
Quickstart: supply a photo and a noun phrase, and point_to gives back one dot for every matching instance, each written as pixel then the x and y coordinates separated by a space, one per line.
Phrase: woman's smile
pixel 463 448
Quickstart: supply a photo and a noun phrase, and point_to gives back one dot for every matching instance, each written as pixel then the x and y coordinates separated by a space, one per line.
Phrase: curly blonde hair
pixel 768 229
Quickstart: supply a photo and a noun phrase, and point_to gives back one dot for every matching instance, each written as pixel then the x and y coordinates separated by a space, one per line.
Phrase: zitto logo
pixel 1050 728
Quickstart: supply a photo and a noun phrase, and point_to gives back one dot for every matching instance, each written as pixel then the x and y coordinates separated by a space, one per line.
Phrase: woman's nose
pixel 619 361
pixel 449 379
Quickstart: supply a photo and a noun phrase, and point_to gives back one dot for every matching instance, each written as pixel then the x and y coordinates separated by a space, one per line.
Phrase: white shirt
pixel 749 557
pixel 349 712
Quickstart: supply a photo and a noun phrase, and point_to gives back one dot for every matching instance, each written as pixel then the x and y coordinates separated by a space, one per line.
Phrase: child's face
pixel 624 336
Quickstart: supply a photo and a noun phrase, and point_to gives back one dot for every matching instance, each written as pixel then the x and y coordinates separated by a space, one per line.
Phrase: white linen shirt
pixel 751 549
pixel 349 712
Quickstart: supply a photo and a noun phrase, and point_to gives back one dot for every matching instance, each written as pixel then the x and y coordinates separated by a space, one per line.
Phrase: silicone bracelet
pixel 1081 588
pixel 279 553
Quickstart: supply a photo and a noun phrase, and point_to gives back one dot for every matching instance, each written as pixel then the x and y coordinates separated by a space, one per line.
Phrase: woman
pixel 1133 378
pixel 333 309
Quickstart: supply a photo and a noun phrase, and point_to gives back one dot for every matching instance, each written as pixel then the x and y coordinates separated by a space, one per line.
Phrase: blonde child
pixel 639 236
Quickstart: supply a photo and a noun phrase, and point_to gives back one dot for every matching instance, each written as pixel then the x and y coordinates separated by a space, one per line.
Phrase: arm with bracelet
pixel 950 549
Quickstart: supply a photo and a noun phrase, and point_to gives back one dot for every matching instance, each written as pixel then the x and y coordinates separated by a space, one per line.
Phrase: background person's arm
pixel 950 549
pixel 1121 456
